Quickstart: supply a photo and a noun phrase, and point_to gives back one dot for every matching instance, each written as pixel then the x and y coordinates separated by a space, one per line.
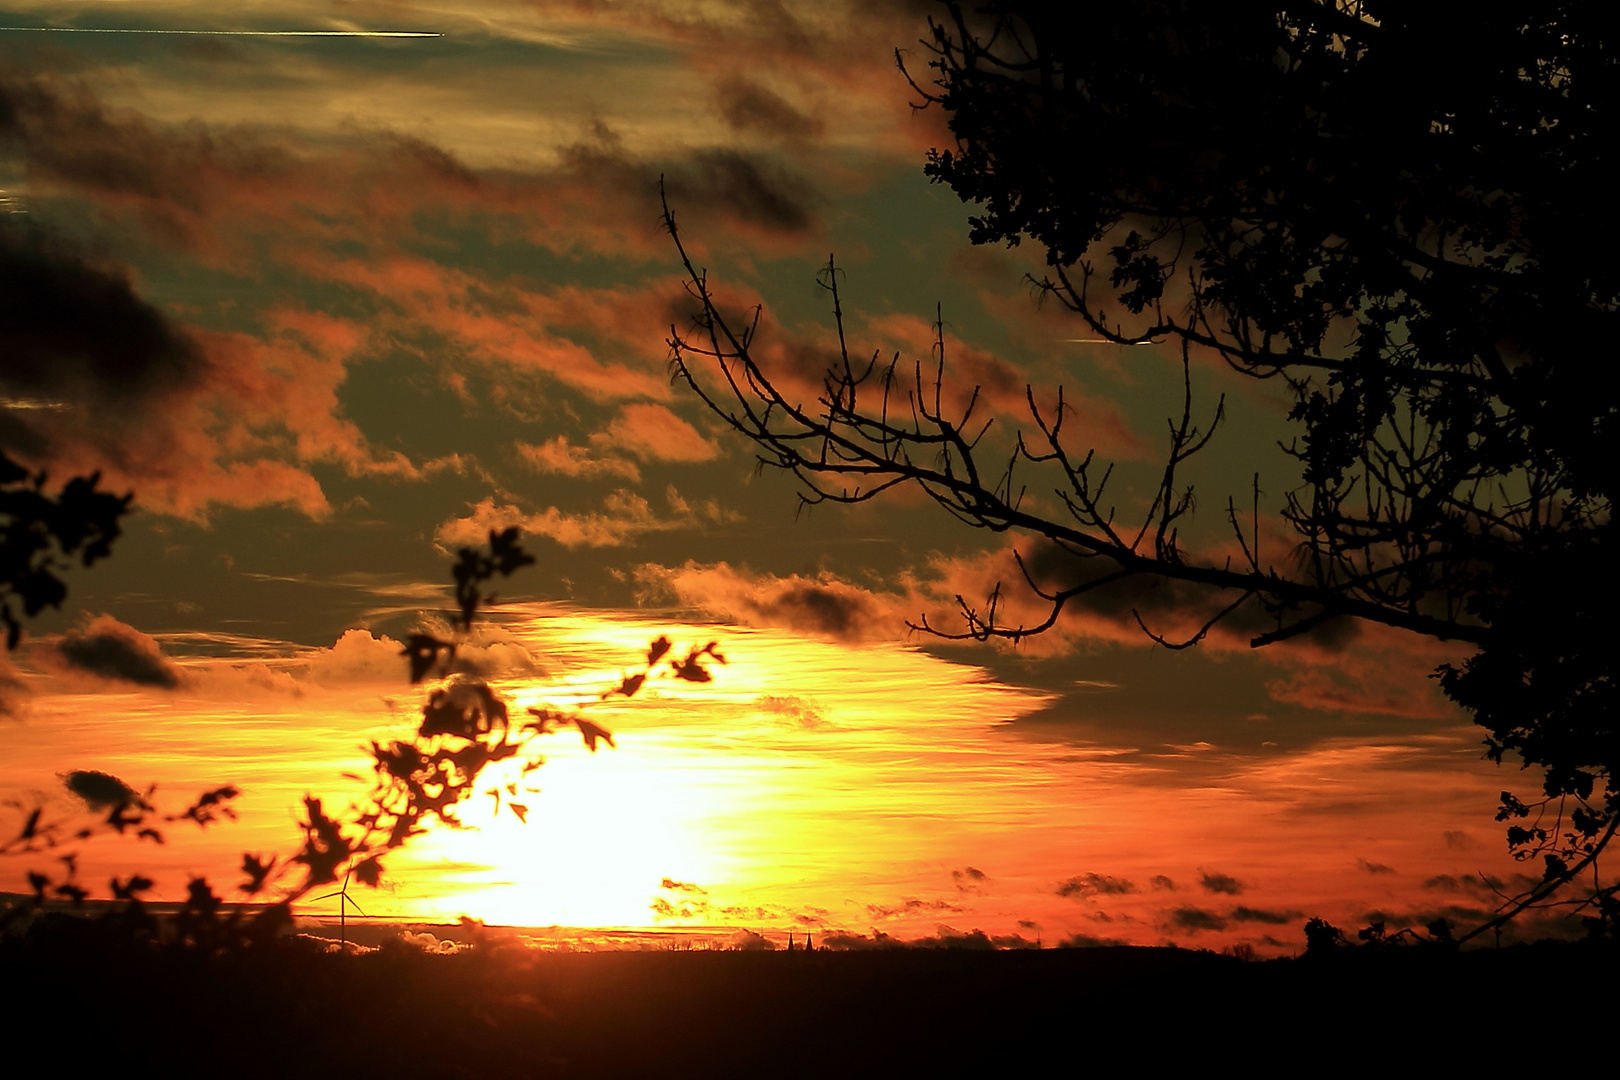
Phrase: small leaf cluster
pixel 41 534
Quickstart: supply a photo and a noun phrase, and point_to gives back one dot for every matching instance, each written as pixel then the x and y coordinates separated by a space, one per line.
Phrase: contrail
pixel 223 33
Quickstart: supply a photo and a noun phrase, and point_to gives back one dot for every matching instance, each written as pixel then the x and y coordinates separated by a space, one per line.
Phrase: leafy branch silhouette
pixel 418 781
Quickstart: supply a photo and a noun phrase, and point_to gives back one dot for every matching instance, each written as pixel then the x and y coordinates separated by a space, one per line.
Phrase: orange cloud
pixel 654 433
pixel 624 517
pixel 816 605
pixel 238 424
pixel 606 343
pixel 559 456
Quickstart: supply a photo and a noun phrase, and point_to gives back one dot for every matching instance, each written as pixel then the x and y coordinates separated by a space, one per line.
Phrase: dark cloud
pixel 1175 698
pixel 78 339
pixel 821 605
pixel 969 879
pixel 1088 941
pixel 1013 941
pixel 948 938
pixel 682 886
pixel 909 906
pixel 663 909
pixel 747 188
pixel 945 937
pixel 63 133
pixel 415 155
pixel 99 790
pixel 860 942
pixel 751 108
pixel 1194 920
pixel 174 177
pixel 1481 886
pixel 1242 914
pixel 1456 883
pixel 114 650
pixel 1223 884
pixel 1089 885
pixel 748 941
pixel 1375 867
pixel 1053 567
pixel 838 612
pixel 1159 881
pixel 1458 840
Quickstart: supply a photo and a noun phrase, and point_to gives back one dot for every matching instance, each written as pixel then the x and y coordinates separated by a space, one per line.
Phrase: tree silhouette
pixel 1412 238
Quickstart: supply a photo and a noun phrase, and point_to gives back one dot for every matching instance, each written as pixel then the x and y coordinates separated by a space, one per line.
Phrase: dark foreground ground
pixel 98 1006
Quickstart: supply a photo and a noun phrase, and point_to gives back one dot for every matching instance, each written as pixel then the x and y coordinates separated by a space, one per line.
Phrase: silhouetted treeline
pixel 117 1006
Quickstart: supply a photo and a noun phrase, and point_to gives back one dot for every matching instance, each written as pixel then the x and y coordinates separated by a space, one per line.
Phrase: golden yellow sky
pixel 813 785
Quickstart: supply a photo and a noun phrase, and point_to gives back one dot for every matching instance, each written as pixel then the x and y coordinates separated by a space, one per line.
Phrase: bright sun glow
pixel 729 788
pixel 811 785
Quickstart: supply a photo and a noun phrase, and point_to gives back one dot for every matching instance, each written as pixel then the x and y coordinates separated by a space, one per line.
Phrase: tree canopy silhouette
pixel 1398 213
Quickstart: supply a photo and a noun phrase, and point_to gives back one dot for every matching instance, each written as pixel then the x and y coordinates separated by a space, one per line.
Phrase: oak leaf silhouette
pixel 257 868
pixel 593 732
pixel 130 889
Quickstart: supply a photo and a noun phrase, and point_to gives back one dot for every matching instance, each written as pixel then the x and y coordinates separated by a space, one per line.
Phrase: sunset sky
pixel 332 306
